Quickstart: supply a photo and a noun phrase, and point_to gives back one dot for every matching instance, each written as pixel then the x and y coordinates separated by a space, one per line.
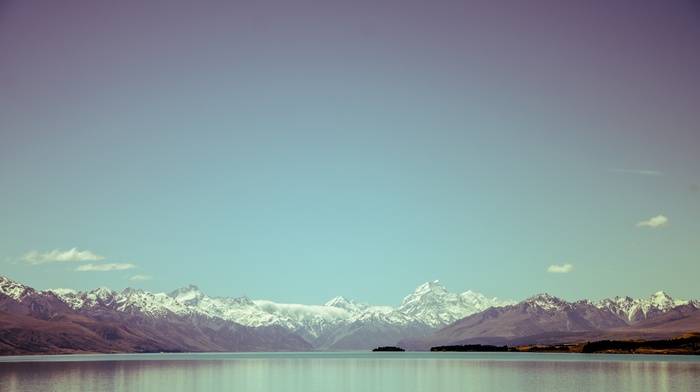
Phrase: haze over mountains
pixel 103 320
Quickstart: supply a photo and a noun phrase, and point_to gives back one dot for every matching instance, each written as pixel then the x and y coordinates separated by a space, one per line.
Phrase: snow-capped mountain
pixel 545 301
pixel 357 308
pixel 19 299
pixel 340 323
pixel 327 326
pixel 130 301
pixel 13 289
pixel 309 321
pixel 241 310
pixel 636 310
pixel 103 320
pixel 545 319
pixel 434 305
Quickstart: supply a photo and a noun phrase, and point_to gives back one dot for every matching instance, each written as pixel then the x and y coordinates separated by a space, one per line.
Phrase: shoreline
pixel 687 344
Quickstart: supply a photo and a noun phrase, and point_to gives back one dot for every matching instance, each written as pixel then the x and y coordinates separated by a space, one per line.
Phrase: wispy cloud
pixel 297 310
pixel 105 267
pixel 655 222
pixel 560 269
pixel 139 277
pixel 56 255
pixel 641 172
pixel 62 291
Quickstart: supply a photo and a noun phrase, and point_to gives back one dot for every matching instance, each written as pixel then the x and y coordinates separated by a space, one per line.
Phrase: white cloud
pixel 304 312
pixel 642 172
pixel 657 221
pixel 56 255
pixel 560 269
pixel 62 291
pixel 105 267
pixel 140 277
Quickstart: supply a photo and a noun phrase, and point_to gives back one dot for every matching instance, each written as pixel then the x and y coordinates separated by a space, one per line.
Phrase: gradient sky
pixel 299 150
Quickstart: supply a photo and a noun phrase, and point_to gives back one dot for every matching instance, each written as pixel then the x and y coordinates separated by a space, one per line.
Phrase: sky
pixel 296 151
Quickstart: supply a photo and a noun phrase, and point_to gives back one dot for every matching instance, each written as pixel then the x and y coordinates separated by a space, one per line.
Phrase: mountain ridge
pixel 105 321
pixel 546 319
pixel 186 319
pixel 339 324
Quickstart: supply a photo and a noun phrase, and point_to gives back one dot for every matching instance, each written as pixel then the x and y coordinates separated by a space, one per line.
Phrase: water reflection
pixel 314 373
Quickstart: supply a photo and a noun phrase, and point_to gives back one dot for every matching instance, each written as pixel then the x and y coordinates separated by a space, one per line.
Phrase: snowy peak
pixel 545 301
pixel 340 302
pixel 630 310
pixel 434 287
pixel 542 297
pixel 154 304
pixel 635 310
pixel 128 292
pixel 189 295
pixel 433 304
pixel 128 301
pixel 101 295
pixel 429 291
pixel 480 302
pixel 13 289
pixel 664 301
pixel 349 305
pixel 241 310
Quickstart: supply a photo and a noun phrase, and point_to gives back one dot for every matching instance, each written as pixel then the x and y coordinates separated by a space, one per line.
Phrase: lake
pixel 355 371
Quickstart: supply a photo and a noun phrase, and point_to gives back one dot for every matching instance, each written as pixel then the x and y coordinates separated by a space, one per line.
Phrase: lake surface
pixel 355 371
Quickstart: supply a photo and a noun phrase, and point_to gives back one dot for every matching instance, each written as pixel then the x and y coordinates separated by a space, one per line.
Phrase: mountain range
pixel 544 319
pixel 103 320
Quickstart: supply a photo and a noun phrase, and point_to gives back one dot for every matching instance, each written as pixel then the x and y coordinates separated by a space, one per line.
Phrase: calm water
pixel 364 372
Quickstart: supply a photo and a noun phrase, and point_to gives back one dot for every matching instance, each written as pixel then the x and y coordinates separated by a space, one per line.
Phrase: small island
pixel 388 348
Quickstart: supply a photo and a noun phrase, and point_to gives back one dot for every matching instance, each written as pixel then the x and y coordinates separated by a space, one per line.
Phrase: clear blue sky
pixel 295 151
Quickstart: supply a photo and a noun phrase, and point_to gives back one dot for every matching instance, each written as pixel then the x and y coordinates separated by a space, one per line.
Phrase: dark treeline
pixel 471 347
pixel 556 348
pixel 691 343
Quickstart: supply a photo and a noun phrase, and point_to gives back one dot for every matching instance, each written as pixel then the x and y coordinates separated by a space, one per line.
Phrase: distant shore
pixel 688 344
